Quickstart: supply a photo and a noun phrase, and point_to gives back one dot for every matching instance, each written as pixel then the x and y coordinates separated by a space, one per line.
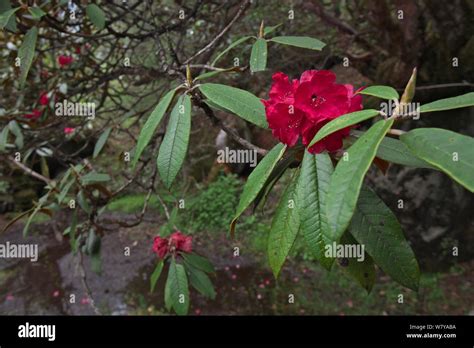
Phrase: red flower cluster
pixel 69 130
pixel 176 242
pixel 65 60
pixel 301 107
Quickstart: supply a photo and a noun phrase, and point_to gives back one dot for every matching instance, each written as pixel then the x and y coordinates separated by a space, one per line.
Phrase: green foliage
pixel 343 122
pixel 384 92
pixel 348 176
pixel 175 142
pixel 448 151
pixel 312 189
pixel 212 208
pixel 258 57
pixel 242 103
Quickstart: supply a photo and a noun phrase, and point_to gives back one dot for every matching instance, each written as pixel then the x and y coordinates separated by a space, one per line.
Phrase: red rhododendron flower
pixel 176 242
pixel 68 130
pixel 44 99
pixel 65 60
pixel 181 241
pixel 160 246
pixel 301 107
pixel 34 115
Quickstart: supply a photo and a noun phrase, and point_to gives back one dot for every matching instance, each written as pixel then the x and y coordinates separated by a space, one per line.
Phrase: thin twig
pixel 239 13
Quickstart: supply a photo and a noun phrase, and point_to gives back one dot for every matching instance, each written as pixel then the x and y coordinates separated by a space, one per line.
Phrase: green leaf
pixel 300 41
pixel 384 92
pixel 231 46
pixel 451 152
pixel 96 16
pixel 4 138
pixel 237 101
pixel 94 177
pixel 284 228
pixel 198 262
pixel 7 19
pixel 26 53
pixel 101 142
pixel 201 282
pixel 313 184
pixel 176 289
pixel 362 271
pixel 151 124
pixel 82 200
pixel 256 180
pixel 36 12
pixel 343 122
pixel 269 30
pixel 64 191
pixel 156 275
pixel 16 130
pixel 394 151
pixel 348 176
pixel 175 142
pixel 376 228
pixel 461 101
pixel 96 263
pixel 258 57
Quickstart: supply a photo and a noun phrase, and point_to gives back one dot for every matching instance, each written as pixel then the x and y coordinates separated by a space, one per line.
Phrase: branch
pixel 29 171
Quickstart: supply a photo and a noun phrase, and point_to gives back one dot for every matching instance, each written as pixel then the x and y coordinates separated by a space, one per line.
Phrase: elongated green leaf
pixel 272 179
pixel 284 229
pixel 176 289
pixel 94 177
pixel 256 181
pixel 156 275
pixel 395 151
pixel 175 142
pixel 269 30
pixel 362 271
pixel 384 92
pixel 451 152
pixel 210 74
pixel 231 46
pixel 312 189
pixel 99 145
pixel 3 138
pixel 237 101
pixel 376 228
pixel 82 200
pixel 258 57
pixel 151 124
pixel 16 130
pixel 461 101
pixel 36 12
pixel 26 53
pixel 198 262
pixel 8 17
pixel 96 16
pixel 201 282
pixel 348 176
pixel 300 41
pixel 343 122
